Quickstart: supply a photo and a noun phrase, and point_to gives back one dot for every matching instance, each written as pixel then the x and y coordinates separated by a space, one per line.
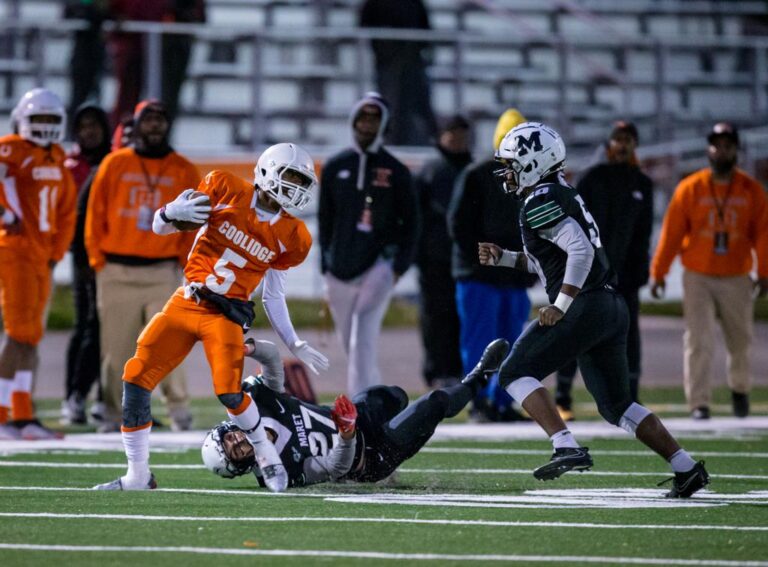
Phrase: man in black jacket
pixel 620 198
pixel 439 318
pixel 491 303
pixel 368 221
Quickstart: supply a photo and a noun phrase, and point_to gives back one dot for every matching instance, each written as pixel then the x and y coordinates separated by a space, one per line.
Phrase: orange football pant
pixel 172 333
pixel 24 288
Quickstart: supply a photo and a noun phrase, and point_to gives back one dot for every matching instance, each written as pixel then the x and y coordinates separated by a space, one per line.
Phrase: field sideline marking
pixel 66 465
pixel 382 555
pixel 380 520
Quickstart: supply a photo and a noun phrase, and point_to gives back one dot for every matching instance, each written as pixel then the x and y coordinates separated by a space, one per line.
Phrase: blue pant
pixel 489 312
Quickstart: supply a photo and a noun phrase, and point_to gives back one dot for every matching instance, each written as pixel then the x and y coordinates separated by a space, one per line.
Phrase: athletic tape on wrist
pixel 563 301
pixel 508 258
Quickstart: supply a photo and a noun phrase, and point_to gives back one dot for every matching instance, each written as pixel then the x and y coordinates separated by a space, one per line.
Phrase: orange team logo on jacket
pixel 36 186
pixel 232 253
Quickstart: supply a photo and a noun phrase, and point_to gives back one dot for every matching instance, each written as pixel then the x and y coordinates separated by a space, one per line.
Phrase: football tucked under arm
pixel 189 211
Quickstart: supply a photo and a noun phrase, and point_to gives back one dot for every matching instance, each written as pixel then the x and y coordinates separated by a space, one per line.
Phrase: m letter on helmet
pixel 533 142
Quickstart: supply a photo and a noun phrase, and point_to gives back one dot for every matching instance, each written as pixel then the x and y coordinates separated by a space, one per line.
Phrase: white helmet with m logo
pixel 528 153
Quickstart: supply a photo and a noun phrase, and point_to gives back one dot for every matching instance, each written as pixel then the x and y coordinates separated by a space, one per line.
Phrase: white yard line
pixel 591 472
pixel 325 519
pixel 120 466
pixel 389 556
pixel 596 452
pixel 753 427
pixel 616 497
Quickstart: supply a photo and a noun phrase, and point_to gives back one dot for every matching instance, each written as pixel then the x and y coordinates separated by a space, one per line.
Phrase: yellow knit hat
pixel 507 121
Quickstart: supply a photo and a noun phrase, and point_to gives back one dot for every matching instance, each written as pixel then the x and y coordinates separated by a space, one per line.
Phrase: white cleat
pixel 119 485
pixel 272 470
pixel 36 431
pixel 9 433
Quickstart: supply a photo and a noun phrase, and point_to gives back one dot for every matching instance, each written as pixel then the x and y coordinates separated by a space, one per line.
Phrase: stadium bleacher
pixel 671 65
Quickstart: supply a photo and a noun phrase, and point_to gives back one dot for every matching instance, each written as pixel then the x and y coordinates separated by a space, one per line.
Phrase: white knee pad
pixel 522 388
pixel 632 418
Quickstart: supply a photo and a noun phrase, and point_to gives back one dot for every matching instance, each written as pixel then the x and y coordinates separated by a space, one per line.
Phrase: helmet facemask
pixel 511 168
pixel 227 452
pixel 294 194
pixel 42 129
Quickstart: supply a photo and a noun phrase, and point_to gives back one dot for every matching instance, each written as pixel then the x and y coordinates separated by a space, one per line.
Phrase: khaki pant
pixel 704 299
pixel 127 297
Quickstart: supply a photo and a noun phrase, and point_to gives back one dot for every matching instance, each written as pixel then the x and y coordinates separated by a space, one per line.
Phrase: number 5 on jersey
pixel 221 270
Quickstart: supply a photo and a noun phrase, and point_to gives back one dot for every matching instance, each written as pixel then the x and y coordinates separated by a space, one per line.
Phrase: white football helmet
pixel 40 102
pixel 271 168
pixel 216 459
pixel 529 152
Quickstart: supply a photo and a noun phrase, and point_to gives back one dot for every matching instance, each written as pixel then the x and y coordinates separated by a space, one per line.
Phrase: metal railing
pixel 457 71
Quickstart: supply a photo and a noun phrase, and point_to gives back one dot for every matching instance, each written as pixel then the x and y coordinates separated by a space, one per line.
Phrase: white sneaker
pixel 272 470
pixel 181 419
pixel 9 433
pixel 119 485
pixel 73 411
pixel 97 413
pixel 36 431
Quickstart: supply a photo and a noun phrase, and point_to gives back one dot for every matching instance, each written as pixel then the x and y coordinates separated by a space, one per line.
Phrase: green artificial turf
pixel 461 482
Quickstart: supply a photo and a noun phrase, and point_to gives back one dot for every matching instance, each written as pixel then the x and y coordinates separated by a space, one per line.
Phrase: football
pixel 189 225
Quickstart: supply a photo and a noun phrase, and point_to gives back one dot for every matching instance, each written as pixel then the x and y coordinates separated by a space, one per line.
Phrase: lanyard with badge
pixel 721 234
pixel 147 212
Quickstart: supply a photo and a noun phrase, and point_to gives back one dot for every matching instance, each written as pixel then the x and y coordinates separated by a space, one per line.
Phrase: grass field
pixel 467 498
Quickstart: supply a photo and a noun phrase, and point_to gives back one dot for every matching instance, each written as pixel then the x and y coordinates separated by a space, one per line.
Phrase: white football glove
pixel 183 208
pixel 309 356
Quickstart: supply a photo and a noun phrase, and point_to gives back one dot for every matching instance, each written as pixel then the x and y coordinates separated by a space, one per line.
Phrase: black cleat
pixel 684 484
pixel 493 355
pixel 700 413
pixel 564 460
pixel 740 404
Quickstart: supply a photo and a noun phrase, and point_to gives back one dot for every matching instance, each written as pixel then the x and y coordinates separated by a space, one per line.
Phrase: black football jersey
pixel 546 207
pixel 302 429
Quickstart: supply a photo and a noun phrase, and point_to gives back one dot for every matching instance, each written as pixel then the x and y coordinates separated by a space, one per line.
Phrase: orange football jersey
pixel 235 249
pixel 36 186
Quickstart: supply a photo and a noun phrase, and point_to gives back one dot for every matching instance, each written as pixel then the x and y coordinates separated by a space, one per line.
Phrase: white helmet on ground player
pixel 528 153
pixel 39 117
pixel 215 456
pixel 270 170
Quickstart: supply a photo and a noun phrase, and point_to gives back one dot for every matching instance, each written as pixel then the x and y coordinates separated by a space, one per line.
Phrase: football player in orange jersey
pixel 37 206
pixel 248 237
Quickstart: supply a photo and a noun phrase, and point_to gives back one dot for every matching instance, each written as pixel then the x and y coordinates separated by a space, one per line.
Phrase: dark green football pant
pixel 593 331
